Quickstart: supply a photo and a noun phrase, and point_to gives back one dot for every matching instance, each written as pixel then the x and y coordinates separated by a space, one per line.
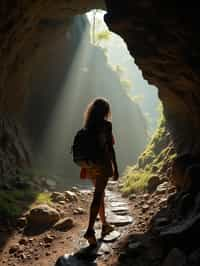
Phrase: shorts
pixel 104 169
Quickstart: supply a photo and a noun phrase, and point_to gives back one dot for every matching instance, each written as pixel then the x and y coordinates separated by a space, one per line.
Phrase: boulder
pixel 57 196
pixel 145 207
pixel 43 215
pixel 133 196
pixel 182 233
pixel 153 182
pixel 70 196
pixel 21 222
pixel 51 184
pixel 162 188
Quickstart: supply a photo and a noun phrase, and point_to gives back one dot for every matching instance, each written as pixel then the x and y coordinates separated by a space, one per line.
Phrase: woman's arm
pixel 111 150
pixel 116 172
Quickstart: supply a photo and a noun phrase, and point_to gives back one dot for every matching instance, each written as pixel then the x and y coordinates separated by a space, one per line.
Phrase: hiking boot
pixel 90 236
pixel 106 229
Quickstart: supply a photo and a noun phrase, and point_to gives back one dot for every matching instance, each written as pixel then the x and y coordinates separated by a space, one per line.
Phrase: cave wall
pixel 163 38
pixel 25 26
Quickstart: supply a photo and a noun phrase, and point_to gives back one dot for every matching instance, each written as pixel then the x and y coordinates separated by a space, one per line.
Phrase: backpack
pixel 86 149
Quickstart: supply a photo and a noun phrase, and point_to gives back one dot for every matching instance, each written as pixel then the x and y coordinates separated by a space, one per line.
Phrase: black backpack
pixel 86 149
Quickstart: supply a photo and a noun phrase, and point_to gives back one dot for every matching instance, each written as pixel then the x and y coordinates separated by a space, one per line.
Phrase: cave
pixel 163 39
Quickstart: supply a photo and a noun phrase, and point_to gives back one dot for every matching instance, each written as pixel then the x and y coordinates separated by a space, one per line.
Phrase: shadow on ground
pixel 84 257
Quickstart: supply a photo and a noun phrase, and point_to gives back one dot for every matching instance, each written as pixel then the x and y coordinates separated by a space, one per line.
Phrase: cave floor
pixel 45 248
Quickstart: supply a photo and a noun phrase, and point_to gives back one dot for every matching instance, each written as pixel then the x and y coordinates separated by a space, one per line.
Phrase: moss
pixel 43 198
pixel 14 202
pixel 157 156
pixel 135 181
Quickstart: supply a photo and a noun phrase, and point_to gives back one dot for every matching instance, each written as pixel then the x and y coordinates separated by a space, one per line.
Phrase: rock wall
pixel 25 28
pixel 163 38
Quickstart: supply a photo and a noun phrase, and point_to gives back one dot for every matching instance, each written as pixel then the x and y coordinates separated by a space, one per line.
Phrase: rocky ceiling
pixel 163 37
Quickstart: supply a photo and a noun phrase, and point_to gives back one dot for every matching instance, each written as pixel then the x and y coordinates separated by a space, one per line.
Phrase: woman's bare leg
pixel 102 205
pixel 97 202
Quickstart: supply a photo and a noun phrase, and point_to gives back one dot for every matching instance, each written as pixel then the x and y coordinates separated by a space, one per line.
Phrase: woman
pixel 97 118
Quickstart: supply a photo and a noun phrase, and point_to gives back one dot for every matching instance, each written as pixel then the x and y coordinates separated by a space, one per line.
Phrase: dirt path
pixel 117 214
pixel 45 248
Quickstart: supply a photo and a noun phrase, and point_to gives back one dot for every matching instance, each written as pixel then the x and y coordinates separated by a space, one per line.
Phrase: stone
pixel 57 197
pixel 48 239
pixel 23 241
pixel 21 222
pixel 51 184
pixel 132 196
pixel 23 256
pixel 162 188
pixel 42 215
pixel 171 189
pixel 121 212
pixel 150 201
pixel 119 220
pixel 145 207
pixel 64 224
pixel 175 258
pixel 118 204
pixel 104 249
pixel 70 196
pixel 79 211
pixel 163 201
pixel 62 202
pixel 153 182
pixel 14 249
pixel 146 196
pixel 114 235
pixel 75 189
pixel 120 209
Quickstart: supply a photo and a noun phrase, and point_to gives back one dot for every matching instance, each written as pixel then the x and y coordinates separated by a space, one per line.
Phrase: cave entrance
pixel 87 61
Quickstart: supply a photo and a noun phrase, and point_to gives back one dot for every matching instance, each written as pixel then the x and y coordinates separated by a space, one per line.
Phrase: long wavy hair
pixel 96 112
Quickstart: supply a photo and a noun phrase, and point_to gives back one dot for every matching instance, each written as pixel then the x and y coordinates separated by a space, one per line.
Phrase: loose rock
pixel 70 196
pixel 57 197
pixel 43 215
pixel 64 224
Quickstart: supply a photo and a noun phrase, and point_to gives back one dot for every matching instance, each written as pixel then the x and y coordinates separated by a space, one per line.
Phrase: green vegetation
pixel 43 198
pixel 135 180
pixel 20 194
pixel 14 202
pixel 156 158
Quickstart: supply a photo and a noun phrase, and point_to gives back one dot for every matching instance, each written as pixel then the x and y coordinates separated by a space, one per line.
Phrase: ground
pixel 44 248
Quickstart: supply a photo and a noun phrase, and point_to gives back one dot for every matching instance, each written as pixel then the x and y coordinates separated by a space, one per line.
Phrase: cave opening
pixel 88 61
pixel 45 51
